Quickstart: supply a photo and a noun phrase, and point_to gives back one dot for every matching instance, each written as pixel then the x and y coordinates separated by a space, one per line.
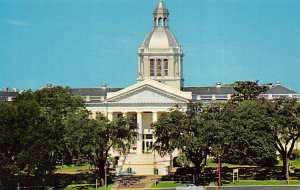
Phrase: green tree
pixel 8 146
pixel 32 130
pixel 25 140
pixel 192 132
pixel 247 90
pixel 77 136
pixel 93 138
pixel 246 134
pixel 55 103
pixel 286 128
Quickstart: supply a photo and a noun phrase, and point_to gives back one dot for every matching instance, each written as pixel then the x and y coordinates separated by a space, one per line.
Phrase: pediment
pixel 149 92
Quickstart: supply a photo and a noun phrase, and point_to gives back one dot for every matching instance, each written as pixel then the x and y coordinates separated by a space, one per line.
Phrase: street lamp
pixel 156 145
pixel 219 168
pixel 105 175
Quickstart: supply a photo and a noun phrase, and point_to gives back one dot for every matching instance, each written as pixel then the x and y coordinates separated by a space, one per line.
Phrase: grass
pixel 239 183
pixel 166 185
pixel 265 182
pixel 64 167
pixel 293 163
pixel 76 187
pixel 210 162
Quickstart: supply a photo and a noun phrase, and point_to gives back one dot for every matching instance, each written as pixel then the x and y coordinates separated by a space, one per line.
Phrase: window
pixel 160 22
pixel 148 136
pixel 165 22
pixel 166 67
pixel 158 67
pixel 152 67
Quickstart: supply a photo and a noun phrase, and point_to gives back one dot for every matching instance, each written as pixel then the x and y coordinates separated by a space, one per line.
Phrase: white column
pixel 154 119
pixel 124 114
pixel 155 68
pixel 110 116
pixel 139 149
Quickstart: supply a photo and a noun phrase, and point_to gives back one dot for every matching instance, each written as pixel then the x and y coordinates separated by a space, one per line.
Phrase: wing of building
pixel 159 87
pixel 8 94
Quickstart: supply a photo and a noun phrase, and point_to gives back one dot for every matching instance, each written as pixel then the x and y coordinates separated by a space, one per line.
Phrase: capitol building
pixel 160 87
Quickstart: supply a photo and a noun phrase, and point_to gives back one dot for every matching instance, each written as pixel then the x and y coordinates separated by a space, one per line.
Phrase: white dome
pixel 160 37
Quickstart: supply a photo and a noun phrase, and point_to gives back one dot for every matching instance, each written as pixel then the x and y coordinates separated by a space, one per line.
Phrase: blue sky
pixel 83 43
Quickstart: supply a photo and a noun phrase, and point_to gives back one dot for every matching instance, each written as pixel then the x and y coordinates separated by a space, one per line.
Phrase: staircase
pixel 144 164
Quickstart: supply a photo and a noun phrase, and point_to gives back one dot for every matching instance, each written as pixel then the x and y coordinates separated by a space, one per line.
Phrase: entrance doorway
pixel 147 143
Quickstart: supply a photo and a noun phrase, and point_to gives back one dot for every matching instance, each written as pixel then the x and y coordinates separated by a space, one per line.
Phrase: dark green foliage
pixel 192 132
pixel 247 138
pixel 32 131
pixel 295 155
pixel 40 129
pixel 285 128
pixel 247 90
pixel 91 139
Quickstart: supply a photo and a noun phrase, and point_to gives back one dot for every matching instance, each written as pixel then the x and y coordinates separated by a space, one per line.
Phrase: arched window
pixel 165 21
pixel 160 22
pixel 155 21
pixel 158 66
pixel 166 67
pixel 152 63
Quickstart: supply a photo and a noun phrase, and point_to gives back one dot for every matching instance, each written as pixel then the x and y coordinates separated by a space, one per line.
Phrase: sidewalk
pixel 135 182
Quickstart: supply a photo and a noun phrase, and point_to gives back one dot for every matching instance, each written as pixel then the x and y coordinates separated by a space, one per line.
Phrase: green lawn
pixel 265 182
pixel 63 167
pixel 294 163
pixel 166 185
pixel 211 162
pixel 74 187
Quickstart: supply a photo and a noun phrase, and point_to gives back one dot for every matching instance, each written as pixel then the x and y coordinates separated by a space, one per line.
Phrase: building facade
pixel 8 94
pixel 159 87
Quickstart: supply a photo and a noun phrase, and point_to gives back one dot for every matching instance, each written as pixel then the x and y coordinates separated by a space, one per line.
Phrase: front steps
pixel 144 164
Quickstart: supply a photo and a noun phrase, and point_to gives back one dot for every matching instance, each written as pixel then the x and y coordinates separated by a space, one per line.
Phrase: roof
pixel 196 90
pixel 154 85
pixel 160 37
pixel 280 90
pixel 93 91
pixel 207 90
pixel 7 94
pixel 161 5
pixel 161 8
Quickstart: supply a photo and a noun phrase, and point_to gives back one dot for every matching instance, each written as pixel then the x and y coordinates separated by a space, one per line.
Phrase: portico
pixel 144 120
pixel 143 102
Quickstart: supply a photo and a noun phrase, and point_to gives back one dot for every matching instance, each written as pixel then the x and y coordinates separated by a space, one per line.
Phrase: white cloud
pixel 14 22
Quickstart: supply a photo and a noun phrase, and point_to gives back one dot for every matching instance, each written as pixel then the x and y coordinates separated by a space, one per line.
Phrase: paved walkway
pixel 134 182
pixel 259 188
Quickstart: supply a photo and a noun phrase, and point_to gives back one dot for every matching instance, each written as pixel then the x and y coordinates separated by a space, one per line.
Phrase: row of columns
pixel 139 149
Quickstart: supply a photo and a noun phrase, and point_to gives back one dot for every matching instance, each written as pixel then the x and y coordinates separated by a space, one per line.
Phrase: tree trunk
pixel 198 172
pixel 101 171
pixel 285 160
pixel 198 167
pixel 28 178
pixel 171 164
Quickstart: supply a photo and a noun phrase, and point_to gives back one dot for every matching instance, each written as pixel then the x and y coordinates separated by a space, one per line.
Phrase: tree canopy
pixel 41 128
pixel 285 128
pixel 192 132
pixel 246 134
pixel 247 90
pixel 32 130
pixel 91 139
